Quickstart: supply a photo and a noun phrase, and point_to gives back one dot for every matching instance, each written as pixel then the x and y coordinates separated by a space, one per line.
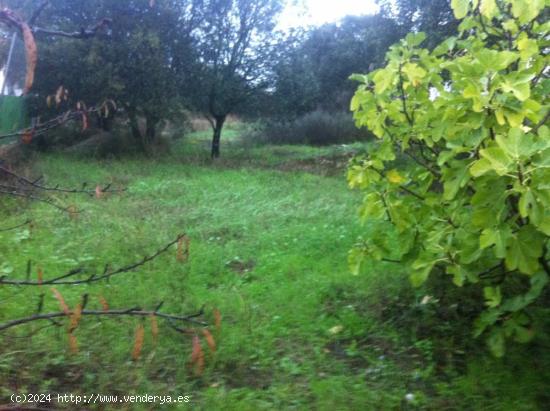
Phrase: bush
pixel 474 202
pixel 318 128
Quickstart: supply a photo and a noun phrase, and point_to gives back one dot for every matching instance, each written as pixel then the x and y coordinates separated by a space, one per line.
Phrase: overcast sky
pixel 317 12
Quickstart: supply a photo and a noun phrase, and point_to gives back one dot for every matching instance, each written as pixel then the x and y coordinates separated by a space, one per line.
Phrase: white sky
pixel 318 12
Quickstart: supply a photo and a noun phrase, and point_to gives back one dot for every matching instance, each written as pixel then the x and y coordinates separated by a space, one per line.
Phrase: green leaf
pixel 527 47
pixel 488 8
pixel 415 39
pixel 460 8
pixel 499 160
pixel 517 144
pixel 382 80
pixel 493 296
pixel 524 250
pixel 414 73
pixel 422 268
pixel 480 167
pixel 496 343
pixel 373 208
pixel 356 257
pixel 526 10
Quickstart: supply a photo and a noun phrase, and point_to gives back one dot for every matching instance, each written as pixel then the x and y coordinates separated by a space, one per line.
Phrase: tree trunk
pixel 134 126
pixel 150 129
pixel 218 126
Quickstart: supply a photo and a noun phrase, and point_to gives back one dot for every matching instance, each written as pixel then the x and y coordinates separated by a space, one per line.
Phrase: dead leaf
pixel 84 122
pixel 98 192
pixel 31 52
pixel 27 137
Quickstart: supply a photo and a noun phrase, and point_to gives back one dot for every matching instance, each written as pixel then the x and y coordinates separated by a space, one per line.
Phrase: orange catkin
pixel 40 275
pixel 75 318
pixel 209 340
pixel 104 303
pixel 62 302
pixel 154 328
pixel 138 342
pixel 73 343
pixel 197 356
pixel 217 320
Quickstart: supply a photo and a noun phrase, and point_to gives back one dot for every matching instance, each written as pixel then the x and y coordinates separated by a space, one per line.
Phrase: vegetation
pixel 346 343
pixel 475 204
pixel 135 260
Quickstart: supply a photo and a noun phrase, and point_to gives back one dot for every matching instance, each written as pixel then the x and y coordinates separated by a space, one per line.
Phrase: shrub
pixel 317 128
pixel 474 202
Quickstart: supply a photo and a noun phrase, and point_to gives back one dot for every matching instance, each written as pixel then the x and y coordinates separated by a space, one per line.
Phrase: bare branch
pixel 35 184
pixel 15 227
pixel 107 273
pixel 82 34
pixel 135 312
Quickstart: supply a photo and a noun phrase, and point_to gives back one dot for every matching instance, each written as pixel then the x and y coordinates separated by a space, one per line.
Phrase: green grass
pixel 270 228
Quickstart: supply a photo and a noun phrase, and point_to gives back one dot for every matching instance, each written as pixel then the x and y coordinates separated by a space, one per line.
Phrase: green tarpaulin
pixel 13 115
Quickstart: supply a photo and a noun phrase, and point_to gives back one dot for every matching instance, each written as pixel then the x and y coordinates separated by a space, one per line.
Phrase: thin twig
pixel 15 227
pixel 136 312
pixel 94 277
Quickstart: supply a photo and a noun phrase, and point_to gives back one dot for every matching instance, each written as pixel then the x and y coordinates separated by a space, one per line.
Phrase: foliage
pixel 433 17
pixel 474 202
pixel 271 257
pixel 131 63
pixel 312 68
pixel 317 128
pixel 233 44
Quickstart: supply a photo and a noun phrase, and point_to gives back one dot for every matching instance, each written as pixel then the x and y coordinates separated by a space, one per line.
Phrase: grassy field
pixel 270 228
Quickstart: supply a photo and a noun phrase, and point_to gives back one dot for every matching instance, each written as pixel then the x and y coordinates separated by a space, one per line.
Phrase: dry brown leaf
pixel 27 137
pixel 98 192
pixel 138 342
pixel 59 94
pixel 62 303
pixel 209 340
pixel 31 52
pixel 84 122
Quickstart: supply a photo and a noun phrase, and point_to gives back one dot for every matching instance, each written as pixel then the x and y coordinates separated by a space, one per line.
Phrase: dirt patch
pixel 241 267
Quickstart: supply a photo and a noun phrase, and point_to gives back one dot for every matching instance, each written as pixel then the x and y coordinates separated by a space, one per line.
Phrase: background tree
pixel 234 47
pixel 433 17
pixel 132 64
